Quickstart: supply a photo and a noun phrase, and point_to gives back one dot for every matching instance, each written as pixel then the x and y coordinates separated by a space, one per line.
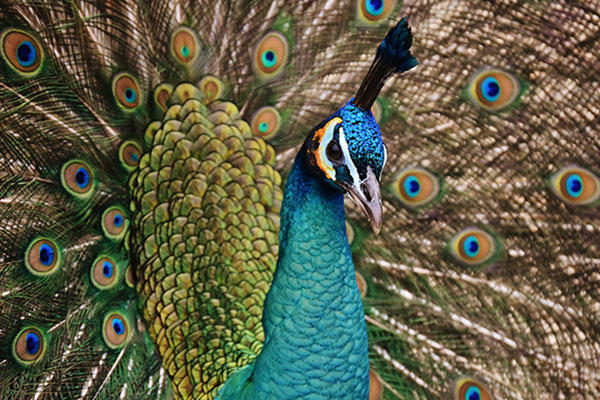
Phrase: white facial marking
pixel 384 160
pixel 327 137
pixel 348 160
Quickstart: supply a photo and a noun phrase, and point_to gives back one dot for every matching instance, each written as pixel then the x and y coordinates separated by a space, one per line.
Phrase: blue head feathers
pixel 346 149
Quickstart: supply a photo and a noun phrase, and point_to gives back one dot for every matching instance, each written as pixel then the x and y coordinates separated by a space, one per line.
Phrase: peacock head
pixel 347 152
pixel 346 149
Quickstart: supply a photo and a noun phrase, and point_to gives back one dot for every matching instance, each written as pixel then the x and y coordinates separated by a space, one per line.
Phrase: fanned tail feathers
pixel 483 281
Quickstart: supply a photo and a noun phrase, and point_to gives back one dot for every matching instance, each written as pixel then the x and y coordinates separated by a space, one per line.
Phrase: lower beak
pixel 368 198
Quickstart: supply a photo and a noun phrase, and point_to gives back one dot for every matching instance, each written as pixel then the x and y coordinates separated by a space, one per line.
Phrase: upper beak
pixel 367 196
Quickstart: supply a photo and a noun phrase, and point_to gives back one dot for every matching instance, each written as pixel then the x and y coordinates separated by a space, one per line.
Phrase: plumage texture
pixel 483 140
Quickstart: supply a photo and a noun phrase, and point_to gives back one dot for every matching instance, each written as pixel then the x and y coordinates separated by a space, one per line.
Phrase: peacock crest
pixel 144 147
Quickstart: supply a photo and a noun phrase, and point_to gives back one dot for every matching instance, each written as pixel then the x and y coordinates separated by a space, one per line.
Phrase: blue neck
pixel 316 340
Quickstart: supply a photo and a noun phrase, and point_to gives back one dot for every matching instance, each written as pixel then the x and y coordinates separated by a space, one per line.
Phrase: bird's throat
pixel 316 341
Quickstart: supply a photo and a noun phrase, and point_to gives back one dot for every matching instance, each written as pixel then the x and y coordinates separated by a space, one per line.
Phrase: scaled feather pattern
pixel 143 151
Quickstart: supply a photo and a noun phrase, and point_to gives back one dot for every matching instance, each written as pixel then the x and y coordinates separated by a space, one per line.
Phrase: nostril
pixel 365 190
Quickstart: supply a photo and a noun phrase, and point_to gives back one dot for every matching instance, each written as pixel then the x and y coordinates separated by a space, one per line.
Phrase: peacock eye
pixel 29 346
pixel 468 388
pixel 474 247
pixel 494 90
pixel 334 153
pixel 116 329
pixel 575 185
pixel 21 51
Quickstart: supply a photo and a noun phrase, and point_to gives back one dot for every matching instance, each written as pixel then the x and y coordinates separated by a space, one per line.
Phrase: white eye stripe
pixel 384 160
pixel 327 137
pixel 347 159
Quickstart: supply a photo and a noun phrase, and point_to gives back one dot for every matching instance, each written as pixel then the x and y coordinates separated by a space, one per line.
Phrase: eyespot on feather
pixel 271 55
pixel 126 90
pixel 374 11
pixel 212 88
pixel 493 89
pixel 43 256
pixel 22 52
pixel 474 247
pixel 162 93
pixel 266 122
pixel 114 222
pixel 467 388
pixel 116 329
pixel 416 187
pixel 104 273
pixel 29 345
pixel 185 46
pixel 130 153
pixel 77 178
pixel 575 185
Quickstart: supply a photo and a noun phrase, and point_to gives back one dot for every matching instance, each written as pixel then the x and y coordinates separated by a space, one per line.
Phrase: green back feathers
pixel 481 283
pixel 206 203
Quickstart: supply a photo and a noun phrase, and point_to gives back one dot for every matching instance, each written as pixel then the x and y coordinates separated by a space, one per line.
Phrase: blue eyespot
pixel 26 54
pixel 130 95
pixel 271 55
pixel 135 157
pixel 185 51
pixel 473 393
pixel 118 327
pixel 107 269
pixel 263 127
pixel 412 186
pixel 471 246
pixel 82 177
pixel 32 343
pixel 490 88
pixel 46 254
pixel 375 7
pixel 269 59
pixel 574 185
pixel 118 220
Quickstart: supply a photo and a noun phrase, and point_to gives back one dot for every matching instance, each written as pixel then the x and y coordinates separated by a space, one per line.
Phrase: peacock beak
pixel 367 196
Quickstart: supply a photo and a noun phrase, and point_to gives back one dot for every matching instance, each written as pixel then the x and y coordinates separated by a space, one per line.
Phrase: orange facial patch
pixel 319 143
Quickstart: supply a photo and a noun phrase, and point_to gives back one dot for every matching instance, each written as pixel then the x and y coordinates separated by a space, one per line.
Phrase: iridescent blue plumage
pixel 315 332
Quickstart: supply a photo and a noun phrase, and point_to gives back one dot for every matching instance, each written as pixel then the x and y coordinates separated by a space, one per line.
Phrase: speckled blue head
pixel 364 139
pixel 345 146
pixel 347 152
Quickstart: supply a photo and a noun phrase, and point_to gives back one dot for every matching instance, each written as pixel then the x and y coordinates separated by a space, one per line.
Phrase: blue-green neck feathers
pixel 316 340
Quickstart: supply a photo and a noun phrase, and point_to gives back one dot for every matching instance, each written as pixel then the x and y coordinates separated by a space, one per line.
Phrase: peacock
pixel 173 218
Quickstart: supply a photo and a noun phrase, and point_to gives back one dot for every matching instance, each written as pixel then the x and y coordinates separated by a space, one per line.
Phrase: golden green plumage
pixel 206 199
pixel 522 322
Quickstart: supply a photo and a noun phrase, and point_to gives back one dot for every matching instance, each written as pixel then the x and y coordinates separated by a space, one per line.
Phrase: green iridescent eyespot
pixel 266 122
pixel 116 329
pixel 493 89
pixel 372 12
pixel 22 52
pixel 185 46
pixel 29 345
pixel 114 222
pixel 271 54
pixel 105 272
pixel 130 153
pixel 43 256
pixel 575 185
pixel 474 247
pixel 77 177
pixel 467 388
pixel 415 187
pixel 126 90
